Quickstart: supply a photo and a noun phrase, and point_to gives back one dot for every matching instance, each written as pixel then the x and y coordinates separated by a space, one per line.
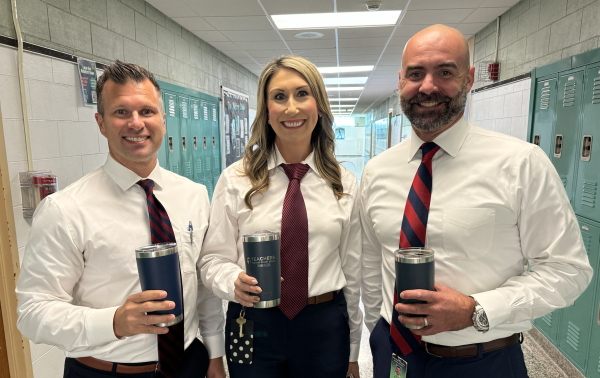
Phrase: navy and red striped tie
pixel 412 234
pixel 294 244
pixel 171 344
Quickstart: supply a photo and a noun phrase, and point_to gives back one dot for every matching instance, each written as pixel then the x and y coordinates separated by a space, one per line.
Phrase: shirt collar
pixel 275 160
pixel 126 178
pixel 450 140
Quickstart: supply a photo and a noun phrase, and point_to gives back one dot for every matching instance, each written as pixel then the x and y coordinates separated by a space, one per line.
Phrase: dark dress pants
pixel 315 344
pixel 504 363
pixel 195 365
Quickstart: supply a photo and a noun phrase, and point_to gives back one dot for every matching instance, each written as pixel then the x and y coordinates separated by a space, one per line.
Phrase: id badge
pixel 399 367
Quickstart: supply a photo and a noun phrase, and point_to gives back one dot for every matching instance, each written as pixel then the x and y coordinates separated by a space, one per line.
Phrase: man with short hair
pixel 79 287
pixel 485 203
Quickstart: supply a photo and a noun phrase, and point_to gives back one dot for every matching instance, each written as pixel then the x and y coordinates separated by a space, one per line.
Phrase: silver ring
pixel 425 321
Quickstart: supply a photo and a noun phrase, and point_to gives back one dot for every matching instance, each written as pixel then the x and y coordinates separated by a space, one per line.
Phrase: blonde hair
pixel 256 160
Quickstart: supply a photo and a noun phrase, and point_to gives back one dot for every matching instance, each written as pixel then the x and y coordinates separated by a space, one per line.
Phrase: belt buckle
pixel 428 352
pixel 156 367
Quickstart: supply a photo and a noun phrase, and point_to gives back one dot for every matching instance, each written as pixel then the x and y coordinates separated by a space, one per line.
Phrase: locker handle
pixel 170 144
pixel 183 143
pixel 214 145
pixel 204 142
pixel 586 148
pixel 195 144
pixel 536 139
pixel 558 143
pixel 599 314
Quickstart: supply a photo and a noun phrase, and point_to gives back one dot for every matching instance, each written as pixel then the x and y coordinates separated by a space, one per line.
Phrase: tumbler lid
pixel 261 236
pixel 156 250
pixel 414 255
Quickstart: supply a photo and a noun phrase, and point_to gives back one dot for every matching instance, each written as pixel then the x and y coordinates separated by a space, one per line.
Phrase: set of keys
pixel 241 320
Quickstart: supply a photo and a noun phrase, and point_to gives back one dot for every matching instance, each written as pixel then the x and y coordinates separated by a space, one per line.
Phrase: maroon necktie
pixel 170 345
pixel 294 244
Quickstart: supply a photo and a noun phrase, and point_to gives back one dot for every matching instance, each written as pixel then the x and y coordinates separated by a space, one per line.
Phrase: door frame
pixel 19 355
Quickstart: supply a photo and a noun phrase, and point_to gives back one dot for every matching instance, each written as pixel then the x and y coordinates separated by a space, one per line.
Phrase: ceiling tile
pixel 499 3
pixel 375 50
pixel 211 36
pixel 359 5
pixel 470 29
pixel 291 7
pixel 236 54
pixel 383 31
pixel 267 53
pixel 193 23
pixel 358 60
pixel 316 52
pixel 240 23
pixel 409 30
pixel 249 46
pixel 224 46
pixel 484 15
pixel 431 17
pixel 398 41
pixel 300 45
pixel 173 8
pixel 289 34
pixel 363 42
pixel 252 35
pixel 224 7
pixel 445 4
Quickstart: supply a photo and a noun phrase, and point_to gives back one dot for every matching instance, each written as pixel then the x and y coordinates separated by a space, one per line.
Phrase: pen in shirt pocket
pixel 191 230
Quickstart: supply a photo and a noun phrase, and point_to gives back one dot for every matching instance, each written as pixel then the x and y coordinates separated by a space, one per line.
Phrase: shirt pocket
pixel 189 249
pixel 468 232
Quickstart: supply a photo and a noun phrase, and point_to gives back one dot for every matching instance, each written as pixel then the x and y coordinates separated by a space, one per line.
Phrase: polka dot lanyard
pixel 241 336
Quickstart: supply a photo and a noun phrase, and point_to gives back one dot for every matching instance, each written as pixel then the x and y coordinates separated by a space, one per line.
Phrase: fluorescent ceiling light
pixel 335 20
pixel 345 88
pixel 327 70
pixel 345 80
pixel 344 99
pixel 341 106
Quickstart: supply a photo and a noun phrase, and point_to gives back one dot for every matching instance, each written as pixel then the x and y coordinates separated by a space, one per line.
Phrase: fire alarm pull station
pixel 35 186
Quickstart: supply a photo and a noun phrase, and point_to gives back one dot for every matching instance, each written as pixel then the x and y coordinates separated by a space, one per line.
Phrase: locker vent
pixel 547 319
pixel 573 336
pixel 587 240
pixel 569 98
pixel 598 365
pixel 545 98
pixel 588 197
pixel 596 91
pixel 564 181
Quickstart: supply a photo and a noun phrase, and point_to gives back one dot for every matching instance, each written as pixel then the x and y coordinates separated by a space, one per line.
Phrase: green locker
pixel 207 147
pixel 588 174
pixel 544 113
pixel 186 137
pixel 574 336
pixel 549 325
pixel 565 137
pixel 593 370
pixel 196 129
pixel 173 135
pixel 162 152
pixel 216 143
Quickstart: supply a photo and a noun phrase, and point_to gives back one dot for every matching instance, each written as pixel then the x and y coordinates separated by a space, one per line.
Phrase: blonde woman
pixel 290 182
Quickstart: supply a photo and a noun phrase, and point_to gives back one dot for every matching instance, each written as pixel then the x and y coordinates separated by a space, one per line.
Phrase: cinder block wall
pixel 130 30
pixel 534 33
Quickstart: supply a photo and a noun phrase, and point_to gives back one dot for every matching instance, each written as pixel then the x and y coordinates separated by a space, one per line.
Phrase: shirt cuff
pixel 99 326
pixel 497 309
pixel 354 350
pixel 215 345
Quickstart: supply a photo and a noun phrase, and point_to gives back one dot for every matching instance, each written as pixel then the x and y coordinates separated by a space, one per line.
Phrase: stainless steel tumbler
pixel 415 269
pixel 261 253
pixel 158 267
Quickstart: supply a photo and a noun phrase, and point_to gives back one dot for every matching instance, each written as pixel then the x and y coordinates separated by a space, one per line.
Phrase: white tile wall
pixel 504 109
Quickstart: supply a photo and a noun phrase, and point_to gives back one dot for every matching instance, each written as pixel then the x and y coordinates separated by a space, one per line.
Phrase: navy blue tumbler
pixel 158 267
pixel 261 253
pixel 415 269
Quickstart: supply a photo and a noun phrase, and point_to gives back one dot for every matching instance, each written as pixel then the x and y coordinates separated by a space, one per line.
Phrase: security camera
pixel 373 5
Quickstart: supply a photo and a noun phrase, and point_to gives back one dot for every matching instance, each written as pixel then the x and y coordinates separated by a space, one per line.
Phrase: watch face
pixel 482 320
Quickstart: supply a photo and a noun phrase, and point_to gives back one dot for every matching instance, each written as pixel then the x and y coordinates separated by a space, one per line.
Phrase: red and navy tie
pixel 412 234
pixel 294 244
pixel 171 344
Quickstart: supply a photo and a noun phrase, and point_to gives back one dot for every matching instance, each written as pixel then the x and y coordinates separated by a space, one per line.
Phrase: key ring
pixel 243 312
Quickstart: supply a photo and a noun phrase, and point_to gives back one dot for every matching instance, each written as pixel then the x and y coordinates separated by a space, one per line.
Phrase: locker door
pixel 576 321
pixel 549 325
pixel 207 147
pixel 566 132
pixel 185 143
pixel 216 143
pixel 196 130
pixel 544 114
pixel 173 135
pixel 163 160
pixel 593 370
pixel 588 174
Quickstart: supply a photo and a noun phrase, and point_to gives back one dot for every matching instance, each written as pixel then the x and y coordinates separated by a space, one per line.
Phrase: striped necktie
pixel 294 244
pixel 412 234
pixel 171 344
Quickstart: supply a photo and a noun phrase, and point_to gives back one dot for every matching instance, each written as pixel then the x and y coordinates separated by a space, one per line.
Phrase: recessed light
pixel 335 20
pixel 326 70
pixel 344 88
pixel 308 35
pixel 345 80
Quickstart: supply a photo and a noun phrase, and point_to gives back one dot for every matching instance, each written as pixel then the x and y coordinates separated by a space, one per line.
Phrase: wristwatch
pixel 480 320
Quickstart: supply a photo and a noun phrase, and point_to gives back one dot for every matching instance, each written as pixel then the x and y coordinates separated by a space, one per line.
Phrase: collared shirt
pixel 333 233
pixel 79 264
pixel 496 202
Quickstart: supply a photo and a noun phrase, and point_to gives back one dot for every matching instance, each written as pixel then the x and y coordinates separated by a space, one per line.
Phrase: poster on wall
pixel 235 125
pixel 89 78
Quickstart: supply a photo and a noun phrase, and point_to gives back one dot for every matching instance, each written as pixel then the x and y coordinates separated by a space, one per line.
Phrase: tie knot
pixel 429 149
pixel 147 185
pixel 295 171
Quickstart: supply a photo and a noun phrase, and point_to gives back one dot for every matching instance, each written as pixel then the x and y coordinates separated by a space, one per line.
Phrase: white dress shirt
pixel 79 264
pixel 496 201
pixel 333 227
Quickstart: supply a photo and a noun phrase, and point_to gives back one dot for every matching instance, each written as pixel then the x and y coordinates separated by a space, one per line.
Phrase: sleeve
pixel 52 266
pixel 219 256
pixel 550 240
pixel 371 286
pixel 350 256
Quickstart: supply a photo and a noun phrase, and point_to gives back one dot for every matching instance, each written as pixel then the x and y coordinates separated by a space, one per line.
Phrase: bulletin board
pixel 235 126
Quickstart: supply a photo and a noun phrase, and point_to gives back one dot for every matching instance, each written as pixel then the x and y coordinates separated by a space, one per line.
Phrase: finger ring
pixel 425 321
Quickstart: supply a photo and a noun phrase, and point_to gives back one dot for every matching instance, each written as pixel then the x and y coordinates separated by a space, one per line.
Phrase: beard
pixel 433 120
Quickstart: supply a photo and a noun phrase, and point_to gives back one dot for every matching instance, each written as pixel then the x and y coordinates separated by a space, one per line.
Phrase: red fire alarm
pixel 494 71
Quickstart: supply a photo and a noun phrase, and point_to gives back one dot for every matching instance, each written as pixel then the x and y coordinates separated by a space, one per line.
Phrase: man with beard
pixel 484 202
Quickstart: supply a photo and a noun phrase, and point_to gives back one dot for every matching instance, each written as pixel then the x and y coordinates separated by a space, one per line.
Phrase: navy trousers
pixel 504 363
pixel 315 344
pixel 195 365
